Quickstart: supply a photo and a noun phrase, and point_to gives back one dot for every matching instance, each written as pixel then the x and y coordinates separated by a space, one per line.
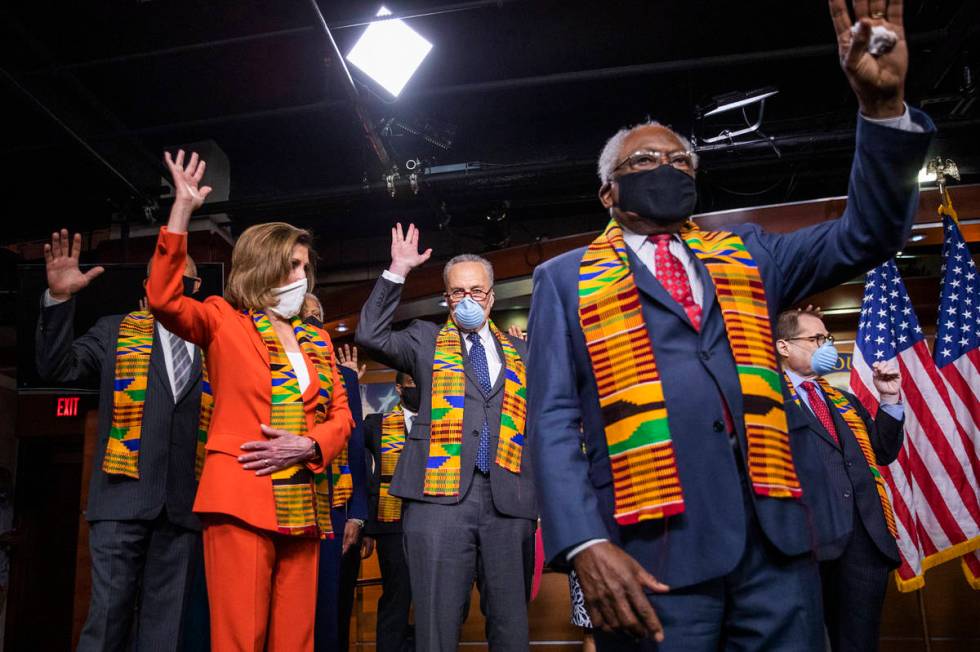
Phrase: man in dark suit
pixel 682 519
pixel 469 498
pixel 394 634
pixel 860 551
pixel 142 533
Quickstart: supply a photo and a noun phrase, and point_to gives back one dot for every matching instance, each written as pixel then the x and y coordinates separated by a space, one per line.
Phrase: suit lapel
pixel 815 424
pixel 499 383
pixel 651 287
pixel 194 376
pixel 158 364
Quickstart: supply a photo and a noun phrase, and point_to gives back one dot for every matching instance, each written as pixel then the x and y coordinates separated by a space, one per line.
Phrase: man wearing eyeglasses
pixel 468 508
pixel 683 519
pixel 857 549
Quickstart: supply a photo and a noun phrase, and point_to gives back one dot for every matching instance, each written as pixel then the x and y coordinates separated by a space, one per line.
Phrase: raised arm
pixel 58 355
pixel 374 332
pixel 891 145
pixel 190 319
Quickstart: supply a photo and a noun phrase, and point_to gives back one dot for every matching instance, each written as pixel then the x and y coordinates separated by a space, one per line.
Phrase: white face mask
pixel 289 299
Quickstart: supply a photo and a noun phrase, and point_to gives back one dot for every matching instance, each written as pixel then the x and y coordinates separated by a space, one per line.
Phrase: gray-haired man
pixel 464 474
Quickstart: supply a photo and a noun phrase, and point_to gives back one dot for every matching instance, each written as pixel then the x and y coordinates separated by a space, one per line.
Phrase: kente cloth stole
pixel 860 430
pixel 448 396
pixel 341 480
pixel 392 444
pixel 641 452
pixel 302 498
pixel 133 348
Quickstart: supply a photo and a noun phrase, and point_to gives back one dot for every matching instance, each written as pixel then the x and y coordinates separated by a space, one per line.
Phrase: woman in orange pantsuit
pixel 262 487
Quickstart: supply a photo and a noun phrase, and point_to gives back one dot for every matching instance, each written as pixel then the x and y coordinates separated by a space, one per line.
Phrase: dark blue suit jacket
pixel 697 368
pixel 849 481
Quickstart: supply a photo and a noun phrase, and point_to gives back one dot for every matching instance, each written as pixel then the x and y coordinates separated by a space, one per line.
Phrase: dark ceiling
pixel 93 92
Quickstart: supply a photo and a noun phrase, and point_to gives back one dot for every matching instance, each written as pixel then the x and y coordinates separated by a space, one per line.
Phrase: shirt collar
pixel 636 241
pixel 408 413
pixel 797 379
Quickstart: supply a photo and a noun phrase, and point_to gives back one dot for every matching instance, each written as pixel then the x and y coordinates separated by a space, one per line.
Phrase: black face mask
pixel 313 321
pixel 411 398
pixel 189 283
pixel 663 195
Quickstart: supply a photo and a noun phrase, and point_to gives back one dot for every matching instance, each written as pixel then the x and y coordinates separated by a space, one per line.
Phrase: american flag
pixel 957 347
pixel 933 483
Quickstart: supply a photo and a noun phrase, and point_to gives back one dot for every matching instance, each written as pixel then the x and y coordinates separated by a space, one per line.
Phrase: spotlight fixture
pixel 389 52
pixel 341 328
pixel 926 176
pixel 731 101
pixel 443 304
pixel 918 237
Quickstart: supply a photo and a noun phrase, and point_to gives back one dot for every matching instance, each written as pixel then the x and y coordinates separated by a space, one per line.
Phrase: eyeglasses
pixel 648 159
pixel 816 339
pixel 478 294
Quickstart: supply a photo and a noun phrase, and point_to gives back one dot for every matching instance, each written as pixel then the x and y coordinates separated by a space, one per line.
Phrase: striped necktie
pixel 182 363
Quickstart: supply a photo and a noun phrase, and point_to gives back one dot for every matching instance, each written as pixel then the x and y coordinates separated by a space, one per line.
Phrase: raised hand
pixel 61 265
pixel 887 380
pixel 189 194
pixel 347 357
pixel 405 254
pixel 515 331
pixel 878 82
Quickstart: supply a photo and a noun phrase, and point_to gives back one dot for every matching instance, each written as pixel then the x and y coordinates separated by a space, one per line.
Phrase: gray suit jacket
pixel 168 442
pixel 412 351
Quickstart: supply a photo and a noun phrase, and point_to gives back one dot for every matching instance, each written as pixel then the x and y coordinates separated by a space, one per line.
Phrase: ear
pixel 490 300
pixel 197 286
pixel 782 347
pixel 607 195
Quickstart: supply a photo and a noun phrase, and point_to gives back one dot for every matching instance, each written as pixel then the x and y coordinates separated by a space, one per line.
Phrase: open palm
pixel 61 265
pixel 187 179
pixel 405 254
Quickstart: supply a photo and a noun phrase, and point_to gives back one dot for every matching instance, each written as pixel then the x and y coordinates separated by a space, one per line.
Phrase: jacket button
pixel 849 463
pixel 847 494
pixel 718 426
pixel 705 355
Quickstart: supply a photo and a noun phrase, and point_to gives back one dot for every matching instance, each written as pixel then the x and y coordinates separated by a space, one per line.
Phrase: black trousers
pixel 854 588
pixel 394 634
pixel 144 563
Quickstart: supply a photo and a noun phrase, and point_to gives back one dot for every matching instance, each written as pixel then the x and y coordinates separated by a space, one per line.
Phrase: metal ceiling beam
pixel 305 31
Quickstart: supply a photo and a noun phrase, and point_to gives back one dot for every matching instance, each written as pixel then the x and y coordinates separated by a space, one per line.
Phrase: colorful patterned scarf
pixel 641 452
pixel 133 348
pixel 448 397
pixel 392 444
pixel 302 498
pixel 341 479
pixel 860 430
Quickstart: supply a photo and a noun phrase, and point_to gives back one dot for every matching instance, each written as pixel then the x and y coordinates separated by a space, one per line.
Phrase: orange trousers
pixel 261 587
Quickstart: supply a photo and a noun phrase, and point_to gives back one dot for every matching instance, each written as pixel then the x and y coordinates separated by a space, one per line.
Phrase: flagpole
pixel 920 595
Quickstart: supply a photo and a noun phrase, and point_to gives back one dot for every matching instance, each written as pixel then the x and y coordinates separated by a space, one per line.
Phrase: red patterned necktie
pixel 819 407
pixel 672 275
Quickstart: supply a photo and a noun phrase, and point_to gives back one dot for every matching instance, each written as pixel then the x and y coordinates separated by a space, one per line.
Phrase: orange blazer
pixel 238 370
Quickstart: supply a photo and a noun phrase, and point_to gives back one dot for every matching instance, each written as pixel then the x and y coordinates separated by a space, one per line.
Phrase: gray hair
pixel 467 258
pixel 609 156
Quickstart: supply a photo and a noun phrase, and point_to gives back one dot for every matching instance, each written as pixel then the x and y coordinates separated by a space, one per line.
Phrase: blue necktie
pixel 478 360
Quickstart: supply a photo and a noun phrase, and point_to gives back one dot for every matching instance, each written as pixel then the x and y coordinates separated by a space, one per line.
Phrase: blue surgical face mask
pixel 824 359
pixel 468 314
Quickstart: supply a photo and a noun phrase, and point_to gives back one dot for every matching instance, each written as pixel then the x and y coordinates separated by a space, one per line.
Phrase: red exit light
pixel 67 406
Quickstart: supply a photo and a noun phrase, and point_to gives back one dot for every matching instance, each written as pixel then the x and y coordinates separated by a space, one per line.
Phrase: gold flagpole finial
pixel 943 169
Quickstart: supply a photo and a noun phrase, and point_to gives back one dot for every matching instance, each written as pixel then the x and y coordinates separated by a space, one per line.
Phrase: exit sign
pixel 67 406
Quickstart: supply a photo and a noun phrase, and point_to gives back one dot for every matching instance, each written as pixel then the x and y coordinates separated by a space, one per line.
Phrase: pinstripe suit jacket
pixel 169 437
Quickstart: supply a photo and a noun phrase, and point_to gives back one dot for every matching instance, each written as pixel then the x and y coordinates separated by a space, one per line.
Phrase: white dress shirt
pixel 299 366
pixel 409 418
pixel 486 337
